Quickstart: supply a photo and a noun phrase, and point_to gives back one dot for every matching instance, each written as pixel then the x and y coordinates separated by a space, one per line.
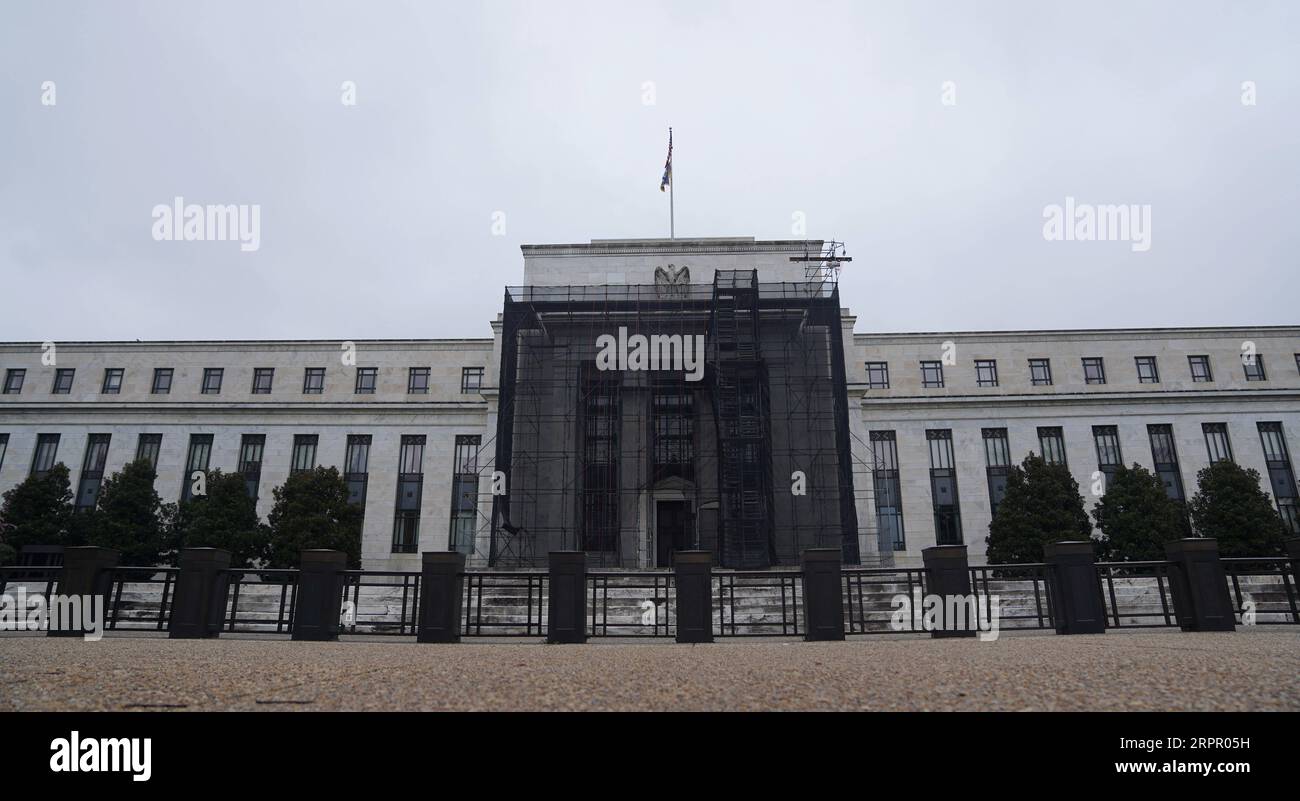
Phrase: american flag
pixel 668 165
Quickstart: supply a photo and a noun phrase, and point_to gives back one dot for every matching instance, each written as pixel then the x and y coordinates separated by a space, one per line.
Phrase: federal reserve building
pixel 634 398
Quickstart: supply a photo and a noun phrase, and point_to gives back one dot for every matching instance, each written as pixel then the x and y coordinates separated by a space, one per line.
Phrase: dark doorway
pixel 672 530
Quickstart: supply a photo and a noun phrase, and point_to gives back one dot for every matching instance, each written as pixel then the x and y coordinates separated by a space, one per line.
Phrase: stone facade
pixel 905 407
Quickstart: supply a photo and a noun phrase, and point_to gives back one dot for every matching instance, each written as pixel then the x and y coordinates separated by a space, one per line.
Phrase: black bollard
pixel 693 582
pixel 823 594
pixel 320 595
pixel 948 577
pixel 442 590
pixel 87 575
pixel 1076 594
pixel 199 600
pixel 1199 585
pixel 566 608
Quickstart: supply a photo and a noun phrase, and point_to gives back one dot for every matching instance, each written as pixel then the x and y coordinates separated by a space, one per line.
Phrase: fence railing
pixel 643 603
pixel 1144 598
pixel 131 602
pixel 1270 589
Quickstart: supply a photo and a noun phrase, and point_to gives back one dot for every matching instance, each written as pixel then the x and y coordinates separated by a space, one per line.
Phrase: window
pixel 471 379
pixel 997 461
pixel 1147 372
pixel 112 381
pixel 1094 370
pixel 877 375
pixel 63 381
pixel 673 426
pixel 410 481
pixel 986 373
pixel 932 375
pixel 417 383
pixel 1040 372
pixel 92 471
pixel 196 463
pixel 251 448
pixel 47 449
pixel 367 377
pixel 162 381
pixel 1164 456
pixel 14 380
pixel 304 453
pixel 212 380
pixel 1216 442
pixel 263 377
pixel 943 488
pixel 1200 367
pixel 599 412
pixel 1051 440
pixel 147 449
pixel 1109 457
pixel 1280 475
pixel 356 468
pixel 4 446
pixel 889 495
pixel 464 493
pixel 1253 364
pixel 313 381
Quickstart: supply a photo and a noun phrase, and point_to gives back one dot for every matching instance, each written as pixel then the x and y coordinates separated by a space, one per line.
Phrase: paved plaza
pixel 1254 669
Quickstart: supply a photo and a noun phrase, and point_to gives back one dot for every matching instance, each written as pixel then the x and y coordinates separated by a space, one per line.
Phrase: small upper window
pixel 263 378
pixel 1147 372
pixel 313 381
pixel 162 381
pixel 1094 370
pixel 932 375
pixel 1040 372
pixel 471 379
pixel 1200 367
pixel 112 381
pixel 877 375
pixel 63 380
pixel 417 383
pixel 1254 365
pixel 212 380
pixel 986 372
pixel 367 377
pixel 14 380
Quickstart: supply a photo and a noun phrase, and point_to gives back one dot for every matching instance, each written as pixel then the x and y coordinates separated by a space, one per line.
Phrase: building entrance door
pixel 672 530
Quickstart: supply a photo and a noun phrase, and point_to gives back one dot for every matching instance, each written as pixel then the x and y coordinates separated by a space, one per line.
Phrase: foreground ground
pixel 1257 669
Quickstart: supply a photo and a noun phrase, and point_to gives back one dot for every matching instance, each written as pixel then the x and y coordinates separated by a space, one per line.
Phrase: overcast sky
pixel 377 218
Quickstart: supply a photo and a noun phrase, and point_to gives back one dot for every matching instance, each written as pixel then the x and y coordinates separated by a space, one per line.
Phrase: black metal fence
pixel 765 603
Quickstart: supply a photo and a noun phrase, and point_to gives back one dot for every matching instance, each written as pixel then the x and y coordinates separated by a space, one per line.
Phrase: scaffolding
pixel 748 455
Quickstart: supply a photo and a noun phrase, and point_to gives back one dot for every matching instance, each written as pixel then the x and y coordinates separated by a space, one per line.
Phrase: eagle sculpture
pixel 672 280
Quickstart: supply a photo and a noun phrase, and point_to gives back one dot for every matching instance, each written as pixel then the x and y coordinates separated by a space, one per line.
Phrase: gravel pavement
pixel 1256 669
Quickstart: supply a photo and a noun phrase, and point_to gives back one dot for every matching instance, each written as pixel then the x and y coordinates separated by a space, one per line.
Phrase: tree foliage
pixel 1137 517
pixel 312 511
pixel 131 517
pixel 39 511
pixel 1042 504
pixel 225 518
pixel 1230 506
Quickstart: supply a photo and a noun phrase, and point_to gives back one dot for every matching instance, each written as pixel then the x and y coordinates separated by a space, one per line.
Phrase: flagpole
pixel 672 184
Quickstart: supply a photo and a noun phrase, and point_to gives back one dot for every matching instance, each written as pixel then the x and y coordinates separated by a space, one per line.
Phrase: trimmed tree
pixel 1137 517
pixel 1042 504
pixel 1230 506
pixel 131 516
pixel 39 511
pixel 223 518
pixel 312 511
